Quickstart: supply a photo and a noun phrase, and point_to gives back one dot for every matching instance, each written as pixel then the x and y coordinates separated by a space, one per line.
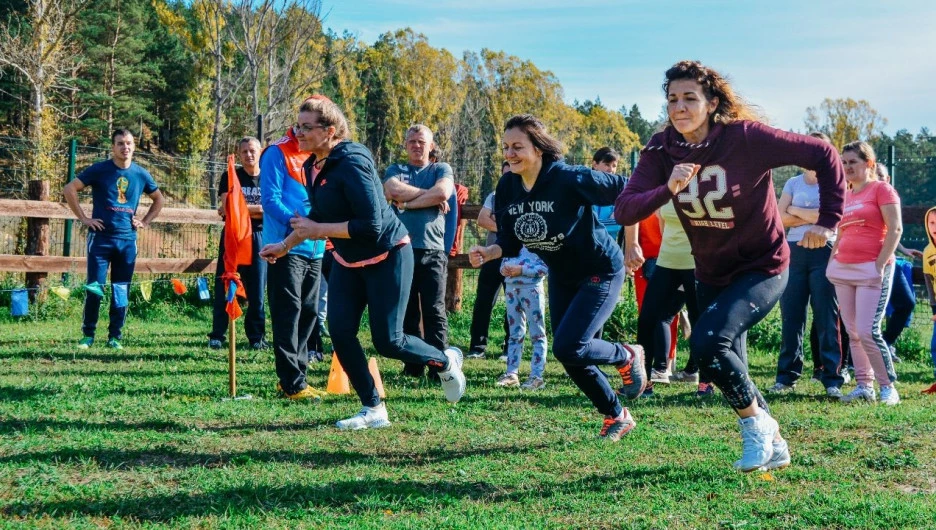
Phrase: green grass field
pixel 144 438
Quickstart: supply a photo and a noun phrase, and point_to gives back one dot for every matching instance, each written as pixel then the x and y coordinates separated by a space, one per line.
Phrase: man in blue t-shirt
pixel 116 187
pixel 420 191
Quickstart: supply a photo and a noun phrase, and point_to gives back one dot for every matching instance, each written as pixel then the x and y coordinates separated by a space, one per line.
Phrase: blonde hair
pixel 329 114
pixel 864 152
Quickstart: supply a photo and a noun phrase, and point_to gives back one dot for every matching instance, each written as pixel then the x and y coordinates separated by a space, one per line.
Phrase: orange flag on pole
pixel 238 242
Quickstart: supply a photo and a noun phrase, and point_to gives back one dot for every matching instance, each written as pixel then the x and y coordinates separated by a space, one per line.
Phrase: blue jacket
pixel 348 189
pixel 555 220
pixel 282 197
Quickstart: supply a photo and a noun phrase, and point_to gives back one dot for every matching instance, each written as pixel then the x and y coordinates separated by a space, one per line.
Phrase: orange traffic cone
pixel 337 378
pixel 375 373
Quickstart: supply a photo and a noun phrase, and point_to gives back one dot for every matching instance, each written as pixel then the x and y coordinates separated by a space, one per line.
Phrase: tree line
pixel 191 77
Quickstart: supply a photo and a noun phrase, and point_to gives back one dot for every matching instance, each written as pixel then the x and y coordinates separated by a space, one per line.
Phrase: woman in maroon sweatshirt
pixel 713 160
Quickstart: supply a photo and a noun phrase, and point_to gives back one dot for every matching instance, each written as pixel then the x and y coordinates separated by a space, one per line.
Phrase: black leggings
pixel 729 311
pixel 667 292
pixel 383 288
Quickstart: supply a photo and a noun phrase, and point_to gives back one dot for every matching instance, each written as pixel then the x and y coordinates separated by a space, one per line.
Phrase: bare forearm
pixel 71 198
pixel 789 221
pixel 401 192
pixel 429 199
pixel 486 221
pixel 810 215
pixel 891 240
pixel 153 210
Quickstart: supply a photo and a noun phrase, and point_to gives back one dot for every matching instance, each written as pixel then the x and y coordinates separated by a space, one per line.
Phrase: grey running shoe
pixel 533 383
pixel 633 374
pixel 860 392
pixel 780 388
pixel 614 429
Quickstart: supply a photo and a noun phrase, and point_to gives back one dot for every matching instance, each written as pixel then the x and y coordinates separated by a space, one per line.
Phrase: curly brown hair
pixel 731 107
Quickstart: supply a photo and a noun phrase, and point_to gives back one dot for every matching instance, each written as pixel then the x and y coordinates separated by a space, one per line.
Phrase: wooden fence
pixel 37 262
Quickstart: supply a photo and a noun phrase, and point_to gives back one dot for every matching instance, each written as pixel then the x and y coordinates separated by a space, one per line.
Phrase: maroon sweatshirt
pixel 729 210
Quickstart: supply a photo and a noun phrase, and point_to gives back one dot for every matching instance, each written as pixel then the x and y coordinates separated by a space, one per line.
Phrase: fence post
pixel 892 164
pixel 37 238
pixel 67 237
pixel 454 281
pixel 634 157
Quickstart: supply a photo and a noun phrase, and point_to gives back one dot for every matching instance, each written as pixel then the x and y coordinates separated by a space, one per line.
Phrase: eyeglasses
pixel 306 129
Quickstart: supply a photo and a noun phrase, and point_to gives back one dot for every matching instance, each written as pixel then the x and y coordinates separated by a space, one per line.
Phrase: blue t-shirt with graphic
pixel 115 195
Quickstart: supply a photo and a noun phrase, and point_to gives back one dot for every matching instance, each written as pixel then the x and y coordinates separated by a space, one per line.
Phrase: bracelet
pixel 403 206
pixel 285 246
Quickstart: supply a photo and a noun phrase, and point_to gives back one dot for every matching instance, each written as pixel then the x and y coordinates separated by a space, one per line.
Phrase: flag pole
pixel 232 366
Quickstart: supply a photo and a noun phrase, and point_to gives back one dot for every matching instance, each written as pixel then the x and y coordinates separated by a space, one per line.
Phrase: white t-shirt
pixel 804 196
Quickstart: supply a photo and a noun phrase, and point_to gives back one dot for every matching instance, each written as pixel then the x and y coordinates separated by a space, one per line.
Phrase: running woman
pixel 546 206
pixel 373 260
pixel 713 160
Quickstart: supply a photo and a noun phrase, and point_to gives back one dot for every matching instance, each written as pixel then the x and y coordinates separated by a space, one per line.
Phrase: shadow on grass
pixel 127 355
pixel 161 457
pixel 344 496
pixel 18 426
pixel 14 393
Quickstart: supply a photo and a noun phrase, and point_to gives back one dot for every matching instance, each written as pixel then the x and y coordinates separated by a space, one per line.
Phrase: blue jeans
pixel 120 255
pixel 808 286
pixel 902 302
pixel 578 309
pixel 383 289
pixel 727 313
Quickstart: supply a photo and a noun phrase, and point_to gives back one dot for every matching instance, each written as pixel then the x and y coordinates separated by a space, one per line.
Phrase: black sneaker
pixel 259 345
pixel 316 356
pixel 215 344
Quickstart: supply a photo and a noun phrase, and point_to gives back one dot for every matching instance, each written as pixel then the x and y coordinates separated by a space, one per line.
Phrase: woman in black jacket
pixel 373 259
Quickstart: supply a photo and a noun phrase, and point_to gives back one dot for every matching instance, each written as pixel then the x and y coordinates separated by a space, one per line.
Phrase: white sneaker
pixel 367 418
pixel 453 379
pixel 757 437
pixel 834 392
pixel 683 376
pixel 661 377
pixel 860 392
pixel 781 455
pixel 889 395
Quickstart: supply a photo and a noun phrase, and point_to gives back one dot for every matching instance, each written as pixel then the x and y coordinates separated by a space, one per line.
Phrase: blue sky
pixel 782 55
